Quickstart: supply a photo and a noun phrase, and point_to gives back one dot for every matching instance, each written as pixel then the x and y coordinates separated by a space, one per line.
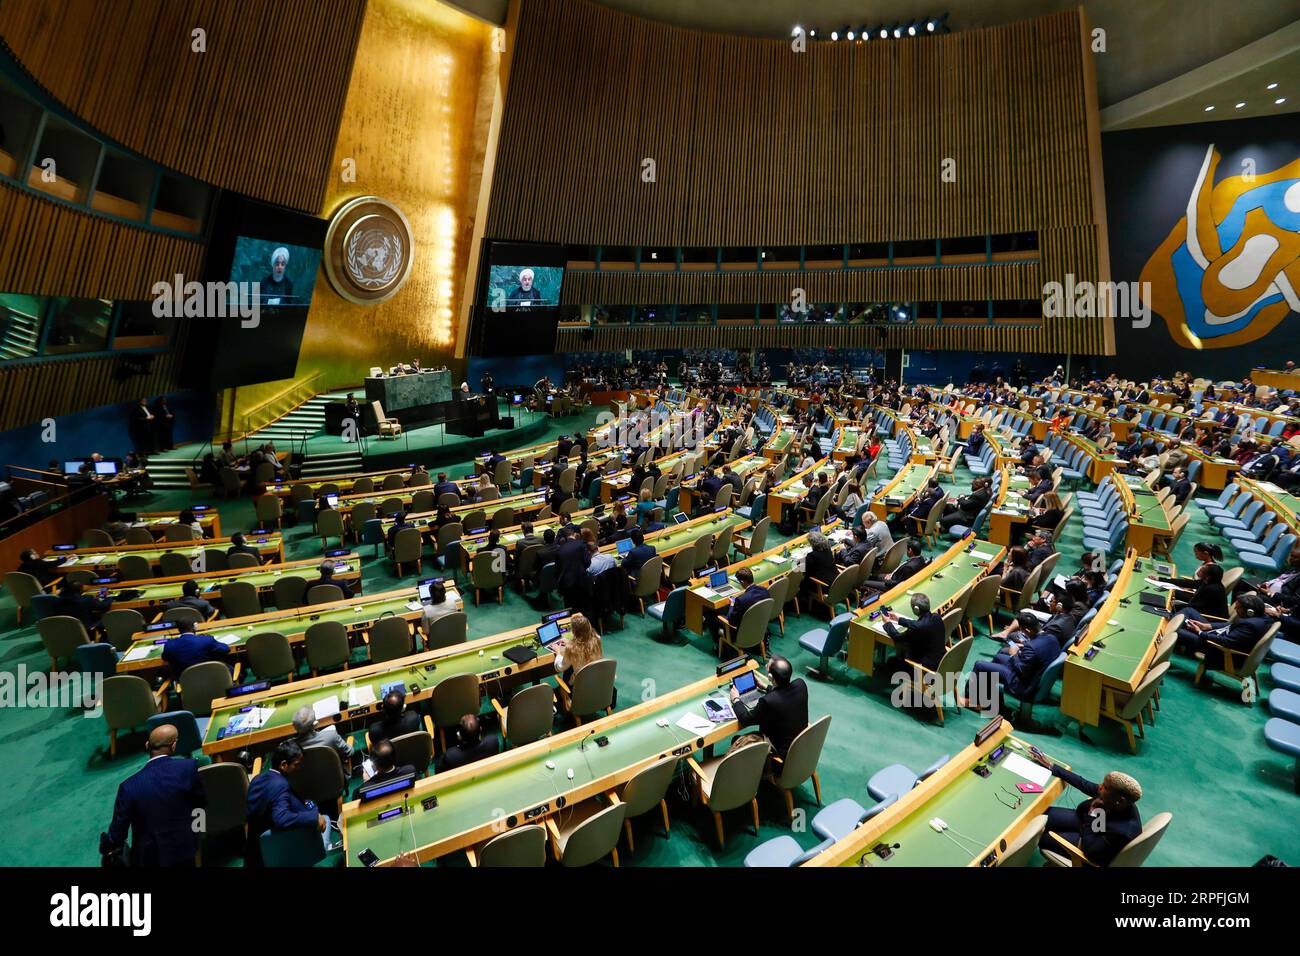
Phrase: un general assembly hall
pixel 632 438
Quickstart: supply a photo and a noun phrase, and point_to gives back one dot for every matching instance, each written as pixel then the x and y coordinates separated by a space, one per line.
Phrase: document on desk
pixel 1034 773
pixel 414 606
pixel 230 640
pixel 137 653
pixel 983 555
pixel 326 708
pixel 1163 585
pixel 361 696
pixel 696 724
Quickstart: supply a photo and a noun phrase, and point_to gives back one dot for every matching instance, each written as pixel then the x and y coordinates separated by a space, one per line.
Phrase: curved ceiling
pixel 1148 42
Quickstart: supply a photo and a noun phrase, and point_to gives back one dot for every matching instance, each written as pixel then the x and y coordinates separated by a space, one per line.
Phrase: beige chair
pixel 893 557
pixel 386 427
pixel 128 703
pixel 326 646
pixel 241 561
pixel 647 790
pixel 757 539
pixel 752 632
pixel 1127 709
pixel 329 524
pixel 60 636
pixel 23 587
pixel 800 763
pixel 290 591
pixel 201 684
pixel 269 510
pixel 99 538
pixel 270 657
pixel 182 614
pixel 179 532
pixel 681 568
pixel 226 787
pixel 592 690
pixel 452 698
pixel 1240 665
pixel 983 599
pixel 393 482
pixel 779 592
pixel 1017 601
pixel 647 581
pixel 524 846
pixel 120 625
pixel 415 749
pixel 502 475
pixel 173 564
pixel 390 507
pixel 931 685
pixel 1021 849
pixel 446 631
pixel 529 716
pixel 834 593
pixel 502 518
pixel 390 638
pixel 487 575
pixel 1059 852
pixel 321 777
pixel 421 502
pixel 240 599
pixel 134 567
pixel 136 535
pixel 362 512
pixel 730 781
pixel 324 594
pixel 586 833
pixel 475 520
pixel 408 548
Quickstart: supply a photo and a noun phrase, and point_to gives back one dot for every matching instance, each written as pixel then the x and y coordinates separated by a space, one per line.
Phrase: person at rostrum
pixel 782 713
pixel 156 805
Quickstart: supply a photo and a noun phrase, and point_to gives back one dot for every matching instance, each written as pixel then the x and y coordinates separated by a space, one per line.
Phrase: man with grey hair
pixel 1100 826
pixel 921 639
pixel 307 734
pixel 277 287
pixel 878 535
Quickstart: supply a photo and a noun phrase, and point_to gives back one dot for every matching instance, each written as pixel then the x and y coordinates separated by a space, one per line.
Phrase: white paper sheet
pixel 1034 773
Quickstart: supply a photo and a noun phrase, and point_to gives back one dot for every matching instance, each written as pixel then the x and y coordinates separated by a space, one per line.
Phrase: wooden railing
pixel 273 408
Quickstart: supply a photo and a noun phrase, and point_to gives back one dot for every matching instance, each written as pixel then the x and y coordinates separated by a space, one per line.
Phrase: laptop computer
pixel 747 687
pixel 624 545
pixel 548 633
pixel 680 518
pixel 424 586
pixel 720 584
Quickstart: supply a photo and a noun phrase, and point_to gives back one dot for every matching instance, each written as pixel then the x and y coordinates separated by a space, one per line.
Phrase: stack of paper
pixel 361 696
pixel 326 708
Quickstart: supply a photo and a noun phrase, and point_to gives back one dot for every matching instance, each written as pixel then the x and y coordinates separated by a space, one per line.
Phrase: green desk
pixel 676 537
pixel 155 592
pixel 478 801
pixel 984 814
pixel 104 560
pixel 899 493
pixel 1148 518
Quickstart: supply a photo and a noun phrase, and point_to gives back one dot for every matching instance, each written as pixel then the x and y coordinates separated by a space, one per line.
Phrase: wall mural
pixel 1229 271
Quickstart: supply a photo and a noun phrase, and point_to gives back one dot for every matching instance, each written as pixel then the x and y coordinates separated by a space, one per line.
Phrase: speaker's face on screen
pixel 278 265
pixel 526 280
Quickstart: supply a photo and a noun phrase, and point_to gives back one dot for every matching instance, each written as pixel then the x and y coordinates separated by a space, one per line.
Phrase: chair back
pixel 61 635
pixel 236 562
pixel 524 846
pixel 324 594
pixel 290 591
pixel 139 536
pixel 390 638
pixel 362 512
pixel 1137 850
pixel 329 524
pixel 648 576
pixel 320 777
pixel 390 506
pixel 392 482
pixel 1021 849
pixel 530 715
pixel 128 701
pixel 1026 595
pixel 1145 690
pixel 326 645
pixel 701 551
pixel 844 582
pixel 120 625
pixel 682 566
pixel 446 631
pixel 22 586
pixel 486 572
pixel 595 837
pixel 448 533
pixel 226 787
pixel 270 656
pixel 408 545
pixel 134 567
pixel 753 626
pixel 177 615
pixel 240 599
pixel 735 782
pixel 173 564
pixel 269 508
pixel 893 557
pixel 805 751
pixel 758 538
pixel 649 786
pixel 416 749
pixel 97 658
pixel 951 619
pixel 201 684
pixel 99 538
pixel 188 737
pixel 454 697
pixel 1258 652
pixel 593 687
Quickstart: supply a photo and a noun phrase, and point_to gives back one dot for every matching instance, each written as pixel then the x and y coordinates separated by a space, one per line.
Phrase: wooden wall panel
pixel 257 112
pixel 47 248
pixel 755 144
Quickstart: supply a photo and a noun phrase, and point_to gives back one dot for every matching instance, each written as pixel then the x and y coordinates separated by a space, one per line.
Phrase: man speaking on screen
pixel 524 295
pixel 277 287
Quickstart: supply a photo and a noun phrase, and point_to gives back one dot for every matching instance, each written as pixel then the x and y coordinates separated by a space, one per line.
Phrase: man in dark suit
pixel 188 648
pixel 444 487
pixel 1064 620
pixel 914 564
pixel 967 508
pixel 327 577
pixel 273 804
pixel 156 804
pixel 921 638
pixel 782 713
pixel 395 719
pixel 855 551
pixel 815 493
pixel 471 745
pixel 1179 486
pixel 975 444
pixel 399 522
pixel 914 518
pixel 640 553
pixel 239 545
pixel 1043 485
pixel 190 598
pixel 494 458
pixel 549 550
pixel 73 602
pixel 571 559
pixel 527 540
pixel 1018 666
pixel 709 486
pixel 383 756
pixel 1100 826
pixel 747 598
pixel 1039 548
pixel 1241 634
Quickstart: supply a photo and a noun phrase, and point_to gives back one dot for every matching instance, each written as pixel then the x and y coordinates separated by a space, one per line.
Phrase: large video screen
pixel 524 286
pixel 274 273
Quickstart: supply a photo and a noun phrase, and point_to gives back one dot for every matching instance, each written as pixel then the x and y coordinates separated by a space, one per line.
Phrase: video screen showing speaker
pixel 272 272
pixel 265 260
pixel 519 298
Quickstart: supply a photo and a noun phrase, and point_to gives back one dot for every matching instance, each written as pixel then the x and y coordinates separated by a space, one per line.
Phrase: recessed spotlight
pixel 835 35
pixel 1239 105
pixel 898 32
pixel 1209 109
pixel 1279 101
pixel 850 34
pixel 884 34
pixel 911 30
pixel 929 27
pixel 1271 86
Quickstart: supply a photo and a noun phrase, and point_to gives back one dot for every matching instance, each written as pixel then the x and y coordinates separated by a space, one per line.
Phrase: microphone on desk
pixel 1111 634
pixel 583 746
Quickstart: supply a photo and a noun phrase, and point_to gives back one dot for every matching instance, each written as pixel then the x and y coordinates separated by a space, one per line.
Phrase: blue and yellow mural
pixel 1229 272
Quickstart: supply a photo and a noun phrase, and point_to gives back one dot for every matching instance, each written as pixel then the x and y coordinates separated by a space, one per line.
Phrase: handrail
pixel 279 395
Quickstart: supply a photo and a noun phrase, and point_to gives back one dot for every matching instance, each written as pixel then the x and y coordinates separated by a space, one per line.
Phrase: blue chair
pixel 301 846
pixel 1275 560
pixel 671 611
pixel 782 851
pixel 43 606
pixel 96 659
pixel 896 780
pixel 547 579
pixel 755 509
pixel 1288 652
pixel 670 501
pixel 1283 735
pixel 1043 691
pixel 189 736
pixel 826 643
pixel 372 532
pixel 837 820
pixel 1285 704
pixel 1285 675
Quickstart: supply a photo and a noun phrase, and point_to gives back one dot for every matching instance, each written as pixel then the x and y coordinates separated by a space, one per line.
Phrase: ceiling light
pixel 898 32
pixel 835 35
pixel 1209 109
pixel 911 29
pixel 1239 105
pixel 850 34
pixel 1279 101
pixel 1271 86
pixel 884 34
pixel 930 25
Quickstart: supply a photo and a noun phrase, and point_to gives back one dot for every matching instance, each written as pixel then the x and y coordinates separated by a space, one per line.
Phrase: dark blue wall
pixel 103 429
pixel 515 370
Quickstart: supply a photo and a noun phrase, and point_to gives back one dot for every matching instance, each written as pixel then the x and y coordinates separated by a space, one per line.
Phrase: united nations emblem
pixel 368 250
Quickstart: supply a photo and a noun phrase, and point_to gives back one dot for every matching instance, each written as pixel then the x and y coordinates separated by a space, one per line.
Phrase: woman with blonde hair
pixel 579 648
pixel 645 507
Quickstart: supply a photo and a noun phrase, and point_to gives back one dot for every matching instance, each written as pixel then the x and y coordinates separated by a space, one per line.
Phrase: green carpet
pixel 1205 760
